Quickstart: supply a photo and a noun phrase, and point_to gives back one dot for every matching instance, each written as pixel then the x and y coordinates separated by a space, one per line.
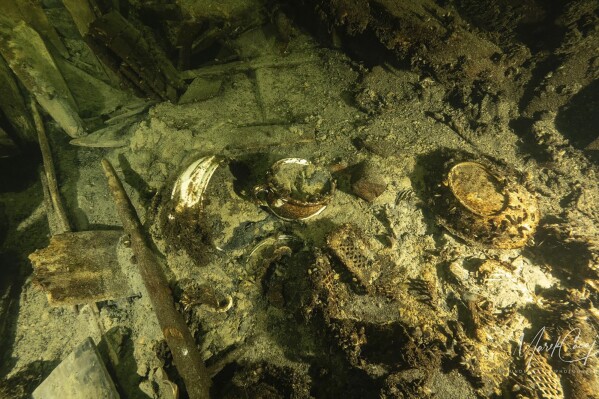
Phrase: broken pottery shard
pixel 368 183
pixel 28 57
pixel 79 268
pixel 81 375
pixel 189 188
pixel 368 190
pixel 296 189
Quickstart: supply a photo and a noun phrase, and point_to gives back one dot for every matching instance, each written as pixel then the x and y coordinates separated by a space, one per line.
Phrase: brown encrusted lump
pixel 510 225
pixel 376 348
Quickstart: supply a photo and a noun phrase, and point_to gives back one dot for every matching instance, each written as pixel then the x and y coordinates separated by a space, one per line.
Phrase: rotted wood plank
pixel 27 55
pixel 12 104
pixel 123 48
pixel 32 13
pixel 82 14
pixel 79 268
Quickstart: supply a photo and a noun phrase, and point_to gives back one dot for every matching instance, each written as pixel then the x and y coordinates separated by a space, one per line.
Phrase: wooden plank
pixel 594 146
pixel 79 268
pixel 82 14
pixel 27 55
pixel 186 356
pixel 32 13
pixel 12 104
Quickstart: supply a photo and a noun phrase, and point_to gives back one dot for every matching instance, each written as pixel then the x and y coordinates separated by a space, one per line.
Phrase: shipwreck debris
pixel 186 356
pixel 27 55
pixel 204 294
pixel 123 49
pixel 484 202
pixel 367 183
pixel 188 191
pixel 13 105
pixel 81 267
pixel 77 267
pixel 296 189
pixel 81 375
pixel 183 217
pixel 351 247
pixel 539 378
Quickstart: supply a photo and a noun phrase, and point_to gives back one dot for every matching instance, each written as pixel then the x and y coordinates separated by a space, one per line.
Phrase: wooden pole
pixel 50 171
pixel 178 338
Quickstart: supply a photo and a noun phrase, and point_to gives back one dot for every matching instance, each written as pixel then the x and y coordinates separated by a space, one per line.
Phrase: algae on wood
pixel 27 55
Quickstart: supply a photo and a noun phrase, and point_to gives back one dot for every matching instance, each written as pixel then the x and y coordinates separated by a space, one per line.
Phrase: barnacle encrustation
pixel 382 344
pixel 486 364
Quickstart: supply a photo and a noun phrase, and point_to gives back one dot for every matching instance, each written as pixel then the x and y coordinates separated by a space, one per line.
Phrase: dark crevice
pixel 578 120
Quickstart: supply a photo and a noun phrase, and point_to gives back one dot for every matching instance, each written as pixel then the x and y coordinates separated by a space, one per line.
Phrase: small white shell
pixel 189 188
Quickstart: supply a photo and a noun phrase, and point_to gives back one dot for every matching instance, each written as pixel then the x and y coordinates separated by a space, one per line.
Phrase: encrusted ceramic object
pixel 485 203
pixel 296 189
pixel 189 188
pixel 202 211
pixel 183 218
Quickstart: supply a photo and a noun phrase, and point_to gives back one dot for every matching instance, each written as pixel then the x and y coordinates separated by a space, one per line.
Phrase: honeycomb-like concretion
pixel 540 377
pixel 353 250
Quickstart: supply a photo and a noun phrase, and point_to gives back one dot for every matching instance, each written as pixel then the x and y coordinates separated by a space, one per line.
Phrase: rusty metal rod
pixel 178 338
